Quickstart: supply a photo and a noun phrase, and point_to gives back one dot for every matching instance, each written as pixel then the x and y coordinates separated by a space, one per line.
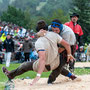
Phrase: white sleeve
pixel 59 38
pixel 39 45
pixel 67 36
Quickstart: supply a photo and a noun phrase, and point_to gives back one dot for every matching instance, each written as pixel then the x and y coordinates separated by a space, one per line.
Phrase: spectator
pixel 88 53
pixel 17 54
pixel 33 55
pixel 27 45
pixel 1 48
pixel 9 48
pixel 3 37
pixel 73 24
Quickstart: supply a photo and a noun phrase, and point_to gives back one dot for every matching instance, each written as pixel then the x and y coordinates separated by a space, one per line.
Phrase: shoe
pixel 73 77
pixel 50 82
pixel 6 72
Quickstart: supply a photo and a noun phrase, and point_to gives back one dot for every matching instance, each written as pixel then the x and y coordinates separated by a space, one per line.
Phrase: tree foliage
pixel 25 13
pixel 53 5
pixel 58 14
pixel 24 4
pixel 82 7
pixel 16 16
pixel 4 5
pixel 45 9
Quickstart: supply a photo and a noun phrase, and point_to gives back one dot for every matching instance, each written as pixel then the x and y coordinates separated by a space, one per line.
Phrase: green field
pixel 31 74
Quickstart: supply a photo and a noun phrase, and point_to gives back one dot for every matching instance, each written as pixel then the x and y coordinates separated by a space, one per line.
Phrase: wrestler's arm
pixel 41 65
pixel 68 49
pixel 60 50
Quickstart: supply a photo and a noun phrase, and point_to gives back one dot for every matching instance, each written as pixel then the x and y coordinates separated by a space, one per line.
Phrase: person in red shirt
pixel 73 24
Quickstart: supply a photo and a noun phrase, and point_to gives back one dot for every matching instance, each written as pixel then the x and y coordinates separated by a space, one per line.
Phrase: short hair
pixel 41 24
pixel 57 23
pixel 57 20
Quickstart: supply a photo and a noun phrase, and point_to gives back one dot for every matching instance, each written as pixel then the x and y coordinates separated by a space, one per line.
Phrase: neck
pixel 74 23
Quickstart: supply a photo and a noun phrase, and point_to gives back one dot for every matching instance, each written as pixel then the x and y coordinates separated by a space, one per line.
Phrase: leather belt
pixel 48 67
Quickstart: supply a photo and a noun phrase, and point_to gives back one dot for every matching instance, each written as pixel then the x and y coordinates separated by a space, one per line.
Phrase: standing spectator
pixel 27 45
pixel 17 52
pixel 1 48
pixel 73 24
pixel 3 37
pixel 9 48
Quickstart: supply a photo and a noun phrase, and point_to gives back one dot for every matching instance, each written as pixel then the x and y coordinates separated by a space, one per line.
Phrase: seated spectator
pixel 88 53
pixel 34 55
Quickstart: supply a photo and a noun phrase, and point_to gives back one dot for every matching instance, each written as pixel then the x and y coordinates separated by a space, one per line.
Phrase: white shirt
pixel 49 44
pixel 68 35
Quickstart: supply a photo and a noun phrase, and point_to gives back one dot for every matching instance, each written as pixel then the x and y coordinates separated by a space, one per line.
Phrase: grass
pixel 83 71
pixel 32 74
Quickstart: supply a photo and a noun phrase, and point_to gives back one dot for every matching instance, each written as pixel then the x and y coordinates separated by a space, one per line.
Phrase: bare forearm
pixel 67 47
pixel 40 70
pixel 41 66
pixel 60 50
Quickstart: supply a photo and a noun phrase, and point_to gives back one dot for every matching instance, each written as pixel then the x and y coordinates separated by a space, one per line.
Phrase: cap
pixel 74 14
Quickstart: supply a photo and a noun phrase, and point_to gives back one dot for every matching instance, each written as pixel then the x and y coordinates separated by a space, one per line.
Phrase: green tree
pixel 53 5
pixel 24 4
pixel 16 16
pixel 57 14
pixel 82 7
pixel 3 5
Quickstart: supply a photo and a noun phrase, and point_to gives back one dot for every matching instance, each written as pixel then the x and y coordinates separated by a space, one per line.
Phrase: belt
pixel 48 67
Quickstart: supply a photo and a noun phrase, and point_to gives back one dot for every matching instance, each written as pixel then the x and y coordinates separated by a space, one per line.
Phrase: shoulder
pixel 67 28
pixel 52 34
pixel 67 23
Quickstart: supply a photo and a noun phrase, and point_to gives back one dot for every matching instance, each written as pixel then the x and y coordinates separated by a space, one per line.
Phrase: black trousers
pixel 60 69
pixel 26 56
pixel 0 60
pixel 24 67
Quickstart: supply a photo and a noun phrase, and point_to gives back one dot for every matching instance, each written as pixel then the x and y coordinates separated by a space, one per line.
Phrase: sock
pixel 69 75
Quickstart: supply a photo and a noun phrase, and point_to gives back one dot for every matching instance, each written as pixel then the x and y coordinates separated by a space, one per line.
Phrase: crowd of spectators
pixel 18 35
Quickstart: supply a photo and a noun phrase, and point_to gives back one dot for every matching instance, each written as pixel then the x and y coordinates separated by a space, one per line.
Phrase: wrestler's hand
pixel 41 33
pixel 60 50
pixel 70 58
pixel 35 80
